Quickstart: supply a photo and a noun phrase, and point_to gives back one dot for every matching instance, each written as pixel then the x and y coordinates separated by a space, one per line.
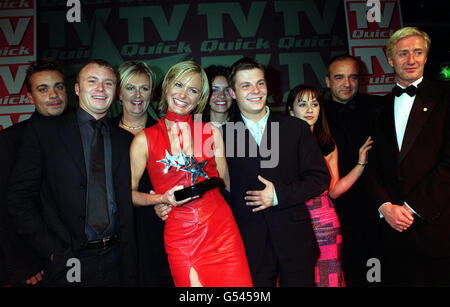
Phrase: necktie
pixel 410 90
pixel 98 217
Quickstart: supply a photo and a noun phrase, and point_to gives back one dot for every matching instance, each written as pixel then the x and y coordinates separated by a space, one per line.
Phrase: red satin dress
pixel 202 234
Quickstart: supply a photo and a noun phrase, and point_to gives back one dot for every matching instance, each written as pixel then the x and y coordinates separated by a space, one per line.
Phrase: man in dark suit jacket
pixel 83 244
pixel 349 114
pixel 280 169
pixel 46 89
pixel 410 169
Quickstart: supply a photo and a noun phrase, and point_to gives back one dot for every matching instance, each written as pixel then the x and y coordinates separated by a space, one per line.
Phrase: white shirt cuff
pixel 275 199
pixel 381 215
pixel 412 210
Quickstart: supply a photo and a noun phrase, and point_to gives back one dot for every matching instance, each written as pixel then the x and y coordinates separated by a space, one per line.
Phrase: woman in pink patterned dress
pixel 303 102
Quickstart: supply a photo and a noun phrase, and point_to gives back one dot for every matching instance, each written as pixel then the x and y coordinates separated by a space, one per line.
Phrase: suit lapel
pixel 71 137
pixel 265 139
pixel 420 113
pixel 116 141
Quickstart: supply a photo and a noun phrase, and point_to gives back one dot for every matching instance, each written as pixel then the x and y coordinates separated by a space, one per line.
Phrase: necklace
pixel 131 128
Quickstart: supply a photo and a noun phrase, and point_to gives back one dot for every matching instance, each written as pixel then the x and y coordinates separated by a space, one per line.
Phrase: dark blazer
pixel 20 259
pixel 418 174
pixel 51 166
pixel 153 264
pixel 300 174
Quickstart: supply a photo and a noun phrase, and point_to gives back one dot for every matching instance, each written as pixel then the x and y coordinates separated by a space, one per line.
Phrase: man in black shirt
pixel 349 118
pixel 46 89
pixel 70 189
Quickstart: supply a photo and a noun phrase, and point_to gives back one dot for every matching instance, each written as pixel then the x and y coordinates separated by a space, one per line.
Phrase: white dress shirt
pixel 257 131
pixel 402 108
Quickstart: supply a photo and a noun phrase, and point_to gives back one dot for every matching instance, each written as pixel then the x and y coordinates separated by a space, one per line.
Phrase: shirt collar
pixel 415 83
pixel 84 118
pixel 262 121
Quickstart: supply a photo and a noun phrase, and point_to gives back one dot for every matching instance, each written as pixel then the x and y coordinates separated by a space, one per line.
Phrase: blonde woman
pixel 202 240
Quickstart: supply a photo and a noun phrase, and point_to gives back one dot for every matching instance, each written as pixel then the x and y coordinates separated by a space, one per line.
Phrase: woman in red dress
pixel 201 237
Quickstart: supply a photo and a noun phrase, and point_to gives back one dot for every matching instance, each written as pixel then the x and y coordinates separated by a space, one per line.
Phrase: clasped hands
pixel 398 217
pixel 261 199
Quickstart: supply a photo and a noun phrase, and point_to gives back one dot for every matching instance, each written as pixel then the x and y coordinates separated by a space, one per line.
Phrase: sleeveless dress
pixel 328 269
pixel 201 234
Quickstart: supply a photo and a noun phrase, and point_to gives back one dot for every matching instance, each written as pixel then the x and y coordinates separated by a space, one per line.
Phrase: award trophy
pixel 190 165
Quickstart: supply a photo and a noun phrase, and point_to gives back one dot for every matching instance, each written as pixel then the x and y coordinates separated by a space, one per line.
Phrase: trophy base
pixel 197 189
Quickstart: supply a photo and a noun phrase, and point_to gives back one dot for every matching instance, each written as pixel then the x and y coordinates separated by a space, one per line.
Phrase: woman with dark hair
pixel 304 103
pixel 220 107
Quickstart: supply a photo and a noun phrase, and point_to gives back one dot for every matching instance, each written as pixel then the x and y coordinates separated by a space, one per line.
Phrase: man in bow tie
pixel 348 113
pixel 410 169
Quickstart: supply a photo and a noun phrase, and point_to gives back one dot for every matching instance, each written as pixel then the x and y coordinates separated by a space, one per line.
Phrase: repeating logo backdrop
pixel 293 38
pixel 367 40
pixel 17 48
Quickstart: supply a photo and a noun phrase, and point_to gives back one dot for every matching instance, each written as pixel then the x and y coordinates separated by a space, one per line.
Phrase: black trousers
pixel 272 272
pixel 406 266
pixel 98 267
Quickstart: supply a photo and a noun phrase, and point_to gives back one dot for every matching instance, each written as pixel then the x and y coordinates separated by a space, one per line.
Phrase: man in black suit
pixel 349 114
pixel 410 169
pixel 282 167
pixel 78 166
pixel 46 89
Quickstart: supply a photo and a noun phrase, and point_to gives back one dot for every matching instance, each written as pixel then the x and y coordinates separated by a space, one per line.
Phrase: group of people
pixel 355 177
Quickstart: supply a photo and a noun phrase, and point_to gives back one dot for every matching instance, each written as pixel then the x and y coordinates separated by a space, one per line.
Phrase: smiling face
pixel 409 59
pixel 306 107
pixel 136 95
pixel 48 92
pixel 96 88
pixel 183 94
pixel 250 93
pixel 220 101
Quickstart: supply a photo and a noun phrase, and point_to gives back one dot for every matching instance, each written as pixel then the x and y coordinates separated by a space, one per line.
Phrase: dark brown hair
pixel 321 129
pixel 212 72
pixel 243 64
pixel 47 64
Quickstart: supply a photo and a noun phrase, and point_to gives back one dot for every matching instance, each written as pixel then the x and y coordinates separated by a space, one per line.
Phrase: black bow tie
pixel 410 90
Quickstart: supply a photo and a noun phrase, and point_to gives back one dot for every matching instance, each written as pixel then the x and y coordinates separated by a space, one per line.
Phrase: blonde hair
pixel 403 33
pixel 127 70
pixel 177 72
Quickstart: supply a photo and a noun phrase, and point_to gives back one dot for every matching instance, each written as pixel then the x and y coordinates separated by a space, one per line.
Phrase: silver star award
pixel 187 164
pixel 168 161
pixel 196 169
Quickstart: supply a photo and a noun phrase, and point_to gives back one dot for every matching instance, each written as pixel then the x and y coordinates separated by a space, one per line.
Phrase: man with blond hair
pixel 410 169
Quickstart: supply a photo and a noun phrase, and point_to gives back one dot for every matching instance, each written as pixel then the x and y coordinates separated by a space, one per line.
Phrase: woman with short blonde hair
pixel 177 72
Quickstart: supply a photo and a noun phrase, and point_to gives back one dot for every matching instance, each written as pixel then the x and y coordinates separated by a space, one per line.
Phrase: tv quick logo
pixel 362 14
pixel 15 4
pixel 370 24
